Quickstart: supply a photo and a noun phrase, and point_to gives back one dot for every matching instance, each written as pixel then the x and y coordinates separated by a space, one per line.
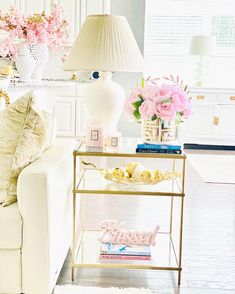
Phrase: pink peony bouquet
pixel 52 29
pixel 167 100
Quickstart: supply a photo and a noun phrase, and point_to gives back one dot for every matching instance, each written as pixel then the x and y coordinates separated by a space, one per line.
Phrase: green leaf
pixel 178 119
pixel 154 117
pixel 137 104
pixel 166 100
pixel 136 114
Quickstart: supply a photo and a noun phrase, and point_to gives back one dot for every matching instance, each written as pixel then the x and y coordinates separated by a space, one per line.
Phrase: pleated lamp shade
pixel 105 43
pixel 202 45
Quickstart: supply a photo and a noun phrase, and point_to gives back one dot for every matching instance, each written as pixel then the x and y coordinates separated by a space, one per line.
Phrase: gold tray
pixel 108 174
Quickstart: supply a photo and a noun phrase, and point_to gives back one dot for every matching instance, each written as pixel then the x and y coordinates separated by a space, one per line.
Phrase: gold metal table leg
pixel 74 213
pixel 181 227
pixel 73 273
pixel 181 240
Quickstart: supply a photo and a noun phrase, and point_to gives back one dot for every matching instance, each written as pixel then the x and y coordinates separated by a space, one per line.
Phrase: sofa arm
pixel 45 202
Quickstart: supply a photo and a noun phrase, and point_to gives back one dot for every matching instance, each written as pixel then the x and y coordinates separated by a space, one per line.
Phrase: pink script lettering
pixel 114 232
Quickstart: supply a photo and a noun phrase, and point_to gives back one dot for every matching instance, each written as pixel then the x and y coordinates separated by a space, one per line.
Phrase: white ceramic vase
pixel 25 63
pixel 40 53
pixel 105 100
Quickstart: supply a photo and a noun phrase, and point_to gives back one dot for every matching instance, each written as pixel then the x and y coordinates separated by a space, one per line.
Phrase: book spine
pixel 163 151
pixel 159 146
pixel 136 253
pixel 124 257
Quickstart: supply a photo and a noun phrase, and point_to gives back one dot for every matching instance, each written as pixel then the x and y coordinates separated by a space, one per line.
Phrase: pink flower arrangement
pixel 52 29
pixel 8 49
pixel 154 99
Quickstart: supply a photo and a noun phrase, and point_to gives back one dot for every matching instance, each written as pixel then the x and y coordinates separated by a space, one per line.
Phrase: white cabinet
pixel 63 99
pixel 82 116
pixel 200 124
pixel 71 112
pixel 65 116
pixel 226 122
pixel 213 118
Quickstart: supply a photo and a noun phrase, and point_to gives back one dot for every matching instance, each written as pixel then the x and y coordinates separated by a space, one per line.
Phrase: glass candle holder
pixel 95 137
pixel 113 142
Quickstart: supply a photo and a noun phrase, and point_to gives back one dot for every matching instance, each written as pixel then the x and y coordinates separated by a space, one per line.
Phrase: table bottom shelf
pixel 163 255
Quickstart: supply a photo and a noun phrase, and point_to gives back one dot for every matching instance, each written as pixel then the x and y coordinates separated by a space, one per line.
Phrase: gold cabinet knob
pixel 232 98
pixel 216 120
pixel 200 97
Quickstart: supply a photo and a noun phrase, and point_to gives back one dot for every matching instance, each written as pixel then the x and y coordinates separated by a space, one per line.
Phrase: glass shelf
pixel 162 254
pixel 92 182
pixel 127 150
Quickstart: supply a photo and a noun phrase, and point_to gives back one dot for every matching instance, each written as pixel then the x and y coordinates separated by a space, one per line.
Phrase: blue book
pixel 165 151
pixel 159 146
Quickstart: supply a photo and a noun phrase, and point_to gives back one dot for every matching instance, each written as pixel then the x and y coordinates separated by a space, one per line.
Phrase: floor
pixel 208 248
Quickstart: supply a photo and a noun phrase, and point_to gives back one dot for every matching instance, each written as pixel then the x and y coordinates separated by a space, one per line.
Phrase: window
pixel 223 27
pixel 169 25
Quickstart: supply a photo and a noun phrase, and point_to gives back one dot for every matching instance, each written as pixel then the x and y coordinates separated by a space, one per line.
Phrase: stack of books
pixel 112 252
pixel 159 148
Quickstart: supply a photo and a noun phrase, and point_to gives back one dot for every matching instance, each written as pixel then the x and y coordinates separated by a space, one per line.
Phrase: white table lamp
pixel 105 44
pixel 204 47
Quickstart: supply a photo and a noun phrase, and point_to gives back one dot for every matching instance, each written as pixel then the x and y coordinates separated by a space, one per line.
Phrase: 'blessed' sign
pixel 114 232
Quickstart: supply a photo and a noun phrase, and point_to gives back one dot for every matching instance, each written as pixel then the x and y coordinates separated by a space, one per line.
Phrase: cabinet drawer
pixel 227 98
pixel 202 97
pixel 70 90
pixel 81 87
pixel 65 116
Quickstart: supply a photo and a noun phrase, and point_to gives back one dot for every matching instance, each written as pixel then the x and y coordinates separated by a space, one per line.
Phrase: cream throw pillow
pixel 24 135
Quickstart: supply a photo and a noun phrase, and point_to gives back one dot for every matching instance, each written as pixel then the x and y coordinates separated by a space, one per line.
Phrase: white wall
pixel 134 11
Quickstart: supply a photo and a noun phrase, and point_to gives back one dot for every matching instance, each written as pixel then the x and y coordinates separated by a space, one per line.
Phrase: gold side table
pixel 167 254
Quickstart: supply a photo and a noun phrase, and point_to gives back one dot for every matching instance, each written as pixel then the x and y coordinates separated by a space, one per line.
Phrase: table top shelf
pixel 127 150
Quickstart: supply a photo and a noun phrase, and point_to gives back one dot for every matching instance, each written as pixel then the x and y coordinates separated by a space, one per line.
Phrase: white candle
pixel 113 142
pixel 95 135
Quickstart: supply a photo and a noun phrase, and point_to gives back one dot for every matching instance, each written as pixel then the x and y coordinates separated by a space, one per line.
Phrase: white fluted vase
pixel 40 53
pixel 24 62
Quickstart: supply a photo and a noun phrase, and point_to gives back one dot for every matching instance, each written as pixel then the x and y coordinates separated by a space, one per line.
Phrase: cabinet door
pixel 201 123
pixel 226 122
pixel 82 116
pixel 33 6
pixel 5 5
pixel 97 6
pixel 89 7
pixel 65 116
pixel 72 8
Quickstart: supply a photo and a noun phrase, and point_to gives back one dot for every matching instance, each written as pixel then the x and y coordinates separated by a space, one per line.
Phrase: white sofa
pixel 35 233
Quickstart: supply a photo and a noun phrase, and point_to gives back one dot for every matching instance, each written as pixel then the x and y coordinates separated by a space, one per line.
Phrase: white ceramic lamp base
pixel 202 72
pixel 105 100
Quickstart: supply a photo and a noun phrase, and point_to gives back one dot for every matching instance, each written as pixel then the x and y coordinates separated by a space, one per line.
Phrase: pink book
pixel 123 257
